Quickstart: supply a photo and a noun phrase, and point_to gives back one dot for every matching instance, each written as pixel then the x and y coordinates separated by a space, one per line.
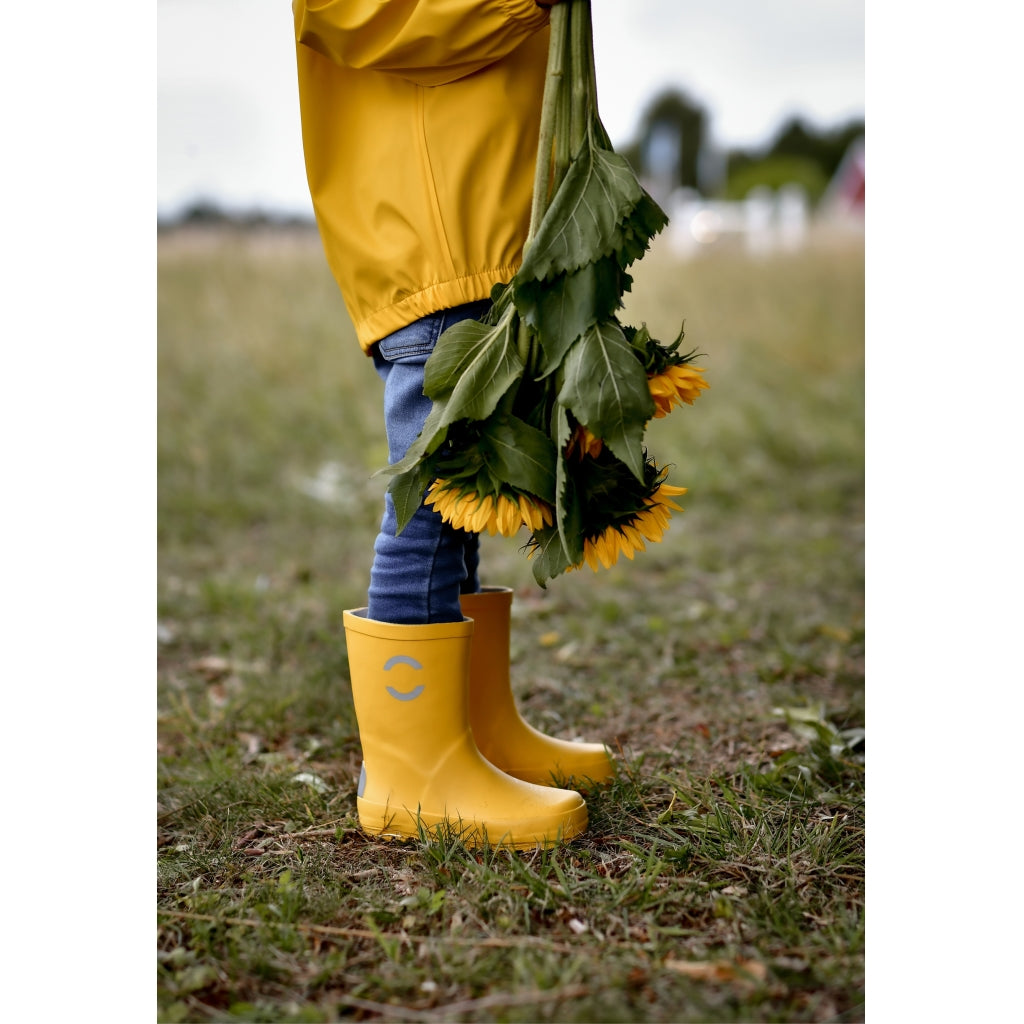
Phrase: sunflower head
pixel 628 530
pixel 681 382
pixel 614 512
pixel 671 375
pixel 501 513
pixel 584 443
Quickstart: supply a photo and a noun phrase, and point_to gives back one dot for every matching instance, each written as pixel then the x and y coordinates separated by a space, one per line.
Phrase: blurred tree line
pixel 203 212
pixel 673 150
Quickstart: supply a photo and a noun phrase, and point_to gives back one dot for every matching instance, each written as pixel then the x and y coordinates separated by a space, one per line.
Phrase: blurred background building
pixel 765 198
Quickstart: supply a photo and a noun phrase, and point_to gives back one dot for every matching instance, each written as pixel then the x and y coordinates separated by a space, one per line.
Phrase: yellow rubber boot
pixel 421 766
pixel 504 738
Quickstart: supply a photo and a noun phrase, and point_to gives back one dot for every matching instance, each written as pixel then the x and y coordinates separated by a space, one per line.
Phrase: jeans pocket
pixel 412 343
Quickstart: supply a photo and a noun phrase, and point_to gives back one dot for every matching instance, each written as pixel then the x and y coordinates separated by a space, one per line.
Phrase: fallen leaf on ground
pixel 211 667
pixel 312 780
pixel 719 970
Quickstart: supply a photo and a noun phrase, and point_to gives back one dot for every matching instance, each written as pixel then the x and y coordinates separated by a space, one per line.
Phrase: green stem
pixel 579 69
pixel 525 347
pixel 563 117
pixel 599 136
pixel 554 76
pixel 586 59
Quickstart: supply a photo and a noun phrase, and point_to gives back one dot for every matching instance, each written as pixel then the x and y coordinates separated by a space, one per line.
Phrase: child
pixel 419 126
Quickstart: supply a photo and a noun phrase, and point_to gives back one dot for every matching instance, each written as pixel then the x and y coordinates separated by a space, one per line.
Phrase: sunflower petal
pixel 634 536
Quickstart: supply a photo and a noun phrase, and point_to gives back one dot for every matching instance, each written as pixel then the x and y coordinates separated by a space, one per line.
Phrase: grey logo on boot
pixel 402 659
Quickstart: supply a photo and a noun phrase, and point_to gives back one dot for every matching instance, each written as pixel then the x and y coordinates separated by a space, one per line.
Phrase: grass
pixel 722 877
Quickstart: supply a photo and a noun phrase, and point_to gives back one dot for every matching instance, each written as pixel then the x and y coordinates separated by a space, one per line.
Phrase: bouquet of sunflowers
pixel 540 410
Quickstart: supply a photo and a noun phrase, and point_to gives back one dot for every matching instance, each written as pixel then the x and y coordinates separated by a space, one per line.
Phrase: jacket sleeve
pixel 429 42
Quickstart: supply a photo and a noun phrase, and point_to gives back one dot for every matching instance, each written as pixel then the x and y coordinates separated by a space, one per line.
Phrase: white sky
pixel 228 121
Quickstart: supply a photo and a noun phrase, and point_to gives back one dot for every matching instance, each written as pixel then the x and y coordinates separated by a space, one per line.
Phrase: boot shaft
pixel 502 735
pixel 421 765
pixel 407 680
pixel 491 703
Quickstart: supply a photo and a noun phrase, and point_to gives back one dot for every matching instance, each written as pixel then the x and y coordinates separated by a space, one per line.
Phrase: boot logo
pixel 402 659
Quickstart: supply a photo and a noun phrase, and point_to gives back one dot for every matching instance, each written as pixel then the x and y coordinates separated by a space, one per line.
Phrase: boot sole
pixel 600 773
pixel 389 823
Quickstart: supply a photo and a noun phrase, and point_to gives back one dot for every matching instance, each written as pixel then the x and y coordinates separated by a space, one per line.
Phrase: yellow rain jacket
pixel 419 127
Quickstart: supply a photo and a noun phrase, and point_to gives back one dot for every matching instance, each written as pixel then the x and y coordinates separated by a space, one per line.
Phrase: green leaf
pixel 606 389
pixel 640 339
pixel 547 555
pixel 406 491
pixel 534 401
pixel 501 296
pixel 562 309
pixel 473 365
pixel 589 215
pixel 430 438
pixel 568 510
pixel 645 221
pixel 520 455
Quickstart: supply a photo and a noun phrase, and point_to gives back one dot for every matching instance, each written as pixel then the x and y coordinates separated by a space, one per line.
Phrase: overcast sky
pixel 228 120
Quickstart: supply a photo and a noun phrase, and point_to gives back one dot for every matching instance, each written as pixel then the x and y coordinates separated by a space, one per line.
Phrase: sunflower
pixel 583 443
pixel 627 537
pixel 678 383
pixel 501 513
pixel 619 514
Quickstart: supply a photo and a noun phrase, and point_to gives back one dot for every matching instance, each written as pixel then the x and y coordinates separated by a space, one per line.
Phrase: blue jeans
pixel 417 576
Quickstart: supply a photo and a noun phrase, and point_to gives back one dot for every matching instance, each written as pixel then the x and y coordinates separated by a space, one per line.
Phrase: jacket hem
pixel 443 295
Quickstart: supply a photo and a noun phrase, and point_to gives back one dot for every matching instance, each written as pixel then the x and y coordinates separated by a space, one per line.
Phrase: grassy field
pixel 722 878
